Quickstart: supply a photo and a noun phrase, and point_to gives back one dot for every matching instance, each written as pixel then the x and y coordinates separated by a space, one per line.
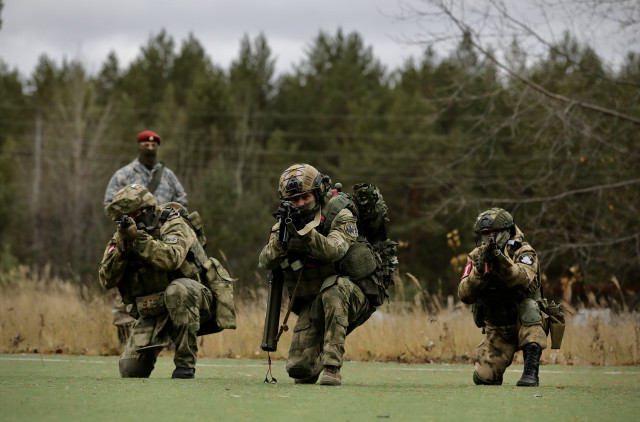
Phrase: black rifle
pixel 283 214
pixel 123 222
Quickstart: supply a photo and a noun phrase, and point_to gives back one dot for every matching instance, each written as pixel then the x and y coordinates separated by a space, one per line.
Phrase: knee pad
pixel 139 367
pixel 477 380
pixel 529 313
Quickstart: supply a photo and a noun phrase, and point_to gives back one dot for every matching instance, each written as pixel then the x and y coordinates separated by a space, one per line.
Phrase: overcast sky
pixel 87 30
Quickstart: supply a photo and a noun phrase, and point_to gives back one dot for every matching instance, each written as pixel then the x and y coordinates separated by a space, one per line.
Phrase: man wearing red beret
pixel 145 170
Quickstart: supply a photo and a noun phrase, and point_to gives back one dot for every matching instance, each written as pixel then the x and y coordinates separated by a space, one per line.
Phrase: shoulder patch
pixel 351 230
pixel 171 239
pixel 526 259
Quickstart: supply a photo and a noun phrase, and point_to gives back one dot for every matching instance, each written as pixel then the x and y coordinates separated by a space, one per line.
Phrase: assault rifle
pixel 490 253
pixel 284 215
pixel 123 222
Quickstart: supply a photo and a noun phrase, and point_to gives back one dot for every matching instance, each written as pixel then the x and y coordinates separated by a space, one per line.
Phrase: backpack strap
pixel 333 207
pixel 155 181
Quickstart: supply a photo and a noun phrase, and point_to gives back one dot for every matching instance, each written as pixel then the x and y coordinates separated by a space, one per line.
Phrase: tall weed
pixel 40 313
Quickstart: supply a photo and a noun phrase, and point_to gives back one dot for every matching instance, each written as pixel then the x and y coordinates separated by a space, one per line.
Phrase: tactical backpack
pixel 371 261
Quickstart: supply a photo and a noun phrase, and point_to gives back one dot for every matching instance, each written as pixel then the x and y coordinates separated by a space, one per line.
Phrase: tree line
pixel 444 137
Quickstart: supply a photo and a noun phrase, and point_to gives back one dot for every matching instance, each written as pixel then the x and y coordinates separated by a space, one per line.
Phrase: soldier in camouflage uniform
pixel 147 261
pixel 142 171
pixel 502 281
pixel 328 306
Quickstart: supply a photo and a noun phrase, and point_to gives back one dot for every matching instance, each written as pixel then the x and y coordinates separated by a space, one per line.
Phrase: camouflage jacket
pixel 325 248
pixel 511 279
pixel 150 262
pixel 169 190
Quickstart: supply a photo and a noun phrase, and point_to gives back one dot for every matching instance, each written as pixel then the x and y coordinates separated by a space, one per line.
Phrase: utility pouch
pixel 556 321
pixel 221 285
pixel 358 262
pixel 373 291
pixel 151 305
pixel 479 313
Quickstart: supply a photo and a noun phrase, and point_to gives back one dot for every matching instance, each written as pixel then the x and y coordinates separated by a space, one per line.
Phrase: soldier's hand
pixel 481 260
pixel 501 260
pixel 128 233
pixel 296 219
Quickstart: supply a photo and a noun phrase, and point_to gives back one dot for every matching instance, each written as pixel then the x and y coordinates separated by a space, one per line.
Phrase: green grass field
pixel 63 388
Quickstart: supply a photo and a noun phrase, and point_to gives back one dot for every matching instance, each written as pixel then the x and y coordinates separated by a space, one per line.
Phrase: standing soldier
pixel 162 183
pixel 146 170
pixel 502 281
pixel 314 232
pixel 155 260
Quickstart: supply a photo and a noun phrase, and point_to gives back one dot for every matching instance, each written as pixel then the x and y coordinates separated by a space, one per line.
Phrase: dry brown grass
pixel 41 313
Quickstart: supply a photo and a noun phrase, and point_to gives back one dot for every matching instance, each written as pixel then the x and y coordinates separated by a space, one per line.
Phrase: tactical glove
pixel 128 233
pixel 481 259
pixel 296 219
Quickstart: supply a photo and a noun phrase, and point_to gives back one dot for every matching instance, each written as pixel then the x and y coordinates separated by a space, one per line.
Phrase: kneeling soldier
pixel 502 281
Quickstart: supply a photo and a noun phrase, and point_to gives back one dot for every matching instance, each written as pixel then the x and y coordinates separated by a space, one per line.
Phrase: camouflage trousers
pixel 319 335
pixel 495 353
pixel 187 304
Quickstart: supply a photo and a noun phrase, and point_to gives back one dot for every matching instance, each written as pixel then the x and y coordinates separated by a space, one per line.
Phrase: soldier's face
pixel 149 145
pixel 301 200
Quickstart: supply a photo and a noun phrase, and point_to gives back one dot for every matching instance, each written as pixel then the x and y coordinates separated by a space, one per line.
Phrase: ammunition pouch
pixel 554 324
pixel 218 280
pixel 373 290
pixel 529 313
pixel 151 305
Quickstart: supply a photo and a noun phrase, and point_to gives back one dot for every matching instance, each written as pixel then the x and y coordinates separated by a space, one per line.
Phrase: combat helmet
pixel 302 178
pixel 494 219
pixel 130 199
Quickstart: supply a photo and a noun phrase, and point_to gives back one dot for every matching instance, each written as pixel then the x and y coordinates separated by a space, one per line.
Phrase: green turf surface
pixel 72 388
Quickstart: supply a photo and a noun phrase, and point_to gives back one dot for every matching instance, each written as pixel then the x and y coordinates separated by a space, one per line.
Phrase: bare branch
pixel 564 194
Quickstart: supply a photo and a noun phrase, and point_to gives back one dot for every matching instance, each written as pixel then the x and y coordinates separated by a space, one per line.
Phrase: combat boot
pixel 184 373
pixel 532 353
pixel 331 376
pixel 310 380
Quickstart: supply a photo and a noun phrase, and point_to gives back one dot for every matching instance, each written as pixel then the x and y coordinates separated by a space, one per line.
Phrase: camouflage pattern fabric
pixel 494 354
pixel 510 280
pixel 320 342
pixel 330 248
pixel 169 190
pixel 338 302
pixel 146 268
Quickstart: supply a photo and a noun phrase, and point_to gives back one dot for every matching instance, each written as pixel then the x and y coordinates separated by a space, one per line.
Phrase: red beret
pixel 148 135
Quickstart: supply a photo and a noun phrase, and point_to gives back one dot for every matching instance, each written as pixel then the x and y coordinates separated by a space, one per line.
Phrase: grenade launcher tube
pixel 272 317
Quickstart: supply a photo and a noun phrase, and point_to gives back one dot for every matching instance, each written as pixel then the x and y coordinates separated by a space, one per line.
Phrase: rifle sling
pixel 155 181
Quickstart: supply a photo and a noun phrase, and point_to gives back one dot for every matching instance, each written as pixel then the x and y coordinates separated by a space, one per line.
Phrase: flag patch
pixel 467 271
